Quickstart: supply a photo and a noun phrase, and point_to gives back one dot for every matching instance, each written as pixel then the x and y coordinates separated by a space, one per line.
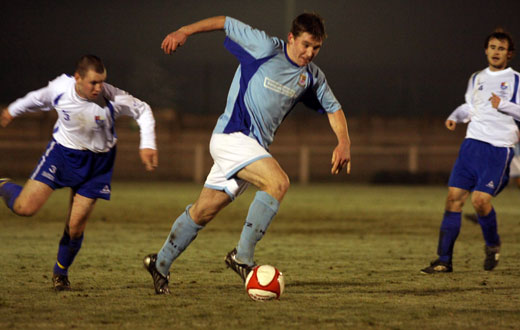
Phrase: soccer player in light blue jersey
pixel 272 77
pixel 81 153
pixel 482 167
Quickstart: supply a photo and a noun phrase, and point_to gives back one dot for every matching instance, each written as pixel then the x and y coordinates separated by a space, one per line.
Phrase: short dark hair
pixel 311 23
pixel 89 62
pixel 501 34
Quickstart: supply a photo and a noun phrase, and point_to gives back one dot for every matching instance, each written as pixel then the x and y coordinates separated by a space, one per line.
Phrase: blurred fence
pixel 384 150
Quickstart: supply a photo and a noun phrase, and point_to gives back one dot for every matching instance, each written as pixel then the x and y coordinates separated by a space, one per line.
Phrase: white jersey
pixel 497 128
pixel 84 124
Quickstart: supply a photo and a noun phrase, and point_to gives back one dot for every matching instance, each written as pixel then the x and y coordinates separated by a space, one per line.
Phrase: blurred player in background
pixel 82 150
pixel 482 166
pixel 272 77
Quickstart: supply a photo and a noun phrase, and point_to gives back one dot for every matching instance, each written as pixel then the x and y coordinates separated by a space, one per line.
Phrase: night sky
pixel 396 58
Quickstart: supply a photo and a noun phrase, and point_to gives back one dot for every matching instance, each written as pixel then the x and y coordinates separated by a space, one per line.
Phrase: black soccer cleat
pixel 492 255
pixel 241 269
pixel 60 282
pixel 160 282
pixel 437 266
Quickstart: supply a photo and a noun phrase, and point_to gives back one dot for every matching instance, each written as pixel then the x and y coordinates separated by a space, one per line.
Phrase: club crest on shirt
pixel 503 85
pixel 99 121
pixel 302 80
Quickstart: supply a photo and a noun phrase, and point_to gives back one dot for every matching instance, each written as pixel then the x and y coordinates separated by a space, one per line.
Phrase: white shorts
pixel 514 168
pixel 231 153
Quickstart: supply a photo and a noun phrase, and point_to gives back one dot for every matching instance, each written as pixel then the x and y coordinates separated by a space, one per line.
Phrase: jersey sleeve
pixel 319 95
pixel 462 114
pixel 127 105
pixel 247 43
pixel 41 99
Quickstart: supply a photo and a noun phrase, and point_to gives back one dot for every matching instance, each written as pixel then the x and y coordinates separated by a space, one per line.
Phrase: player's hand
pixel 173 40
pixel 495 100
pixel 450 124
pixel 340 159
pixel 5 118
pixel 150 158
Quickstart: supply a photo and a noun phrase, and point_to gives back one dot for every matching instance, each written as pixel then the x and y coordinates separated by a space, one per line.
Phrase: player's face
pixel 497 54
pixel 89 87
pixel 303 48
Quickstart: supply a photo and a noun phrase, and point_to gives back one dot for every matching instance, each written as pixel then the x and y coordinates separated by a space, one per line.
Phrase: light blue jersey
pixel 267 84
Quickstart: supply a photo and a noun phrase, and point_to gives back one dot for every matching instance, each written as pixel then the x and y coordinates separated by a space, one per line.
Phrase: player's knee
pixel 24 210
pixel 279 187
pixel 481 205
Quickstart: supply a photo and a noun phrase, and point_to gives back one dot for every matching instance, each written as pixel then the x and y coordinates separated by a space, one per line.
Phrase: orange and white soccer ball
pixel 264 282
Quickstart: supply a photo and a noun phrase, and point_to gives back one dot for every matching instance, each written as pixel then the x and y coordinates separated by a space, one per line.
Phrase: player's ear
pixel 510 55
pixel 290 37
pixel 77 76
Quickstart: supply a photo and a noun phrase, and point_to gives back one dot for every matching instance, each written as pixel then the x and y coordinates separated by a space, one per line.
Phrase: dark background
pixel 385 58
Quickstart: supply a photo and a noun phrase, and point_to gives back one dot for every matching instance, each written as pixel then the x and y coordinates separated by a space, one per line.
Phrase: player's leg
pixel 188 224
pixel 449 231
pixel 79 211
pixel 28 200
pixel 487 219
pixel 273 183
pixel 451 222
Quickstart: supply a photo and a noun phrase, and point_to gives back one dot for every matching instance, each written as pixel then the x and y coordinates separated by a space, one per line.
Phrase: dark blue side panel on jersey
pixel 240 120
pixel 57 99
pixel 515 90
pixel 112 114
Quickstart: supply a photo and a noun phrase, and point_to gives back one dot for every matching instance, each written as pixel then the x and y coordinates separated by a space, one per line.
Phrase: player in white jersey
pixel 82 150
pixel 272 77
pixel 482 167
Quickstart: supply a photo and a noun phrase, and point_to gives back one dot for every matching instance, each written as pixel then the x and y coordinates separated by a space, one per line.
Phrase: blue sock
pixel 488 224
pixel 183 232
pixel 10 191
pixel 262 210
pixel 67 251
pixel 450 229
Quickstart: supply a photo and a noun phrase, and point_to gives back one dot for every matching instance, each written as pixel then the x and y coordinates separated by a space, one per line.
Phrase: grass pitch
pixel 350 254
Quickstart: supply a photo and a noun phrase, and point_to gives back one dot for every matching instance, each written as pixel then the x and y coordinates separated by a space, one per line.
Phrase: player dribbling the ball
pixel 272 77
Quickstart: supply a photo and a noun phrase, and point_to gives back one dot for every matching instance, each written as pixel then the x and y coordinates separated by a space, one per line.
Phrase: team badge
pixel 503 85
pixel 302 80
pixel 100 122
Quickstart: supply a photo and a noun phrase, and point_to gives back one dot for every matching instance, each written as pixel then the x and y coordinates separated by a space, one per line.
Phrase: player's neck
pixel 496 69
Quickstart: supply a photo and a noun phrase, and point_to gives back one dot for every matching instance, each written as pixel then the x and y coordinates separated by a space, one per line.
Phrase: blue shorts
pixel 87 173
pixel 482 167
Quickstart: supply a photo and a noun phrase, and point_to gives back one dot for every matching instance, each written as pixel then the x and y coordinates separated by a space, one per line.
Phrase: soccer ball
pixel 264 282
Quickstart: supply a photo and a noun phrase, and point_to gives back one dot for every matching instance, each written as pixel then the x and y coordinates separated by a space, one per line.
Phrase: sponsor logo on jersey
pixel 278 88
pixel 503 85
pixel 105 190
pixel 100 121
pixel 491 184
pixel 481 87
pixel 302 80
pixel 52 169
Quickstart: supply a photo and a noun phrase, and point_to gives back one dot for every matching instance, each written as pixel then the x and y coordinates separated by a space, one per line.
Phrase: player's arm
pixel 177 38
pixel 506 107
pixel 5 118
pixel 126 104
pixel 461 114
pixel 38 100
pixel 341 154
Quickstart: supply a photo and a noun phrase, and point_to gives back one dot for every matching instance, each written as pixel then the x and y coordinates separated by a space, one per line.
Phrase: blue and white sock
pixel 262 210
pixel 67 251
pixel 488 224
pixel 10 192
pixel 183 232
pixel 449 232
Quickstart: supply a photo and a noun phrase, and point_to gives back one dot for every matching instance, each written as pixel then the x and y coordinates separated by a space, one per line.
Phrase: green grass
pixel 350 255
